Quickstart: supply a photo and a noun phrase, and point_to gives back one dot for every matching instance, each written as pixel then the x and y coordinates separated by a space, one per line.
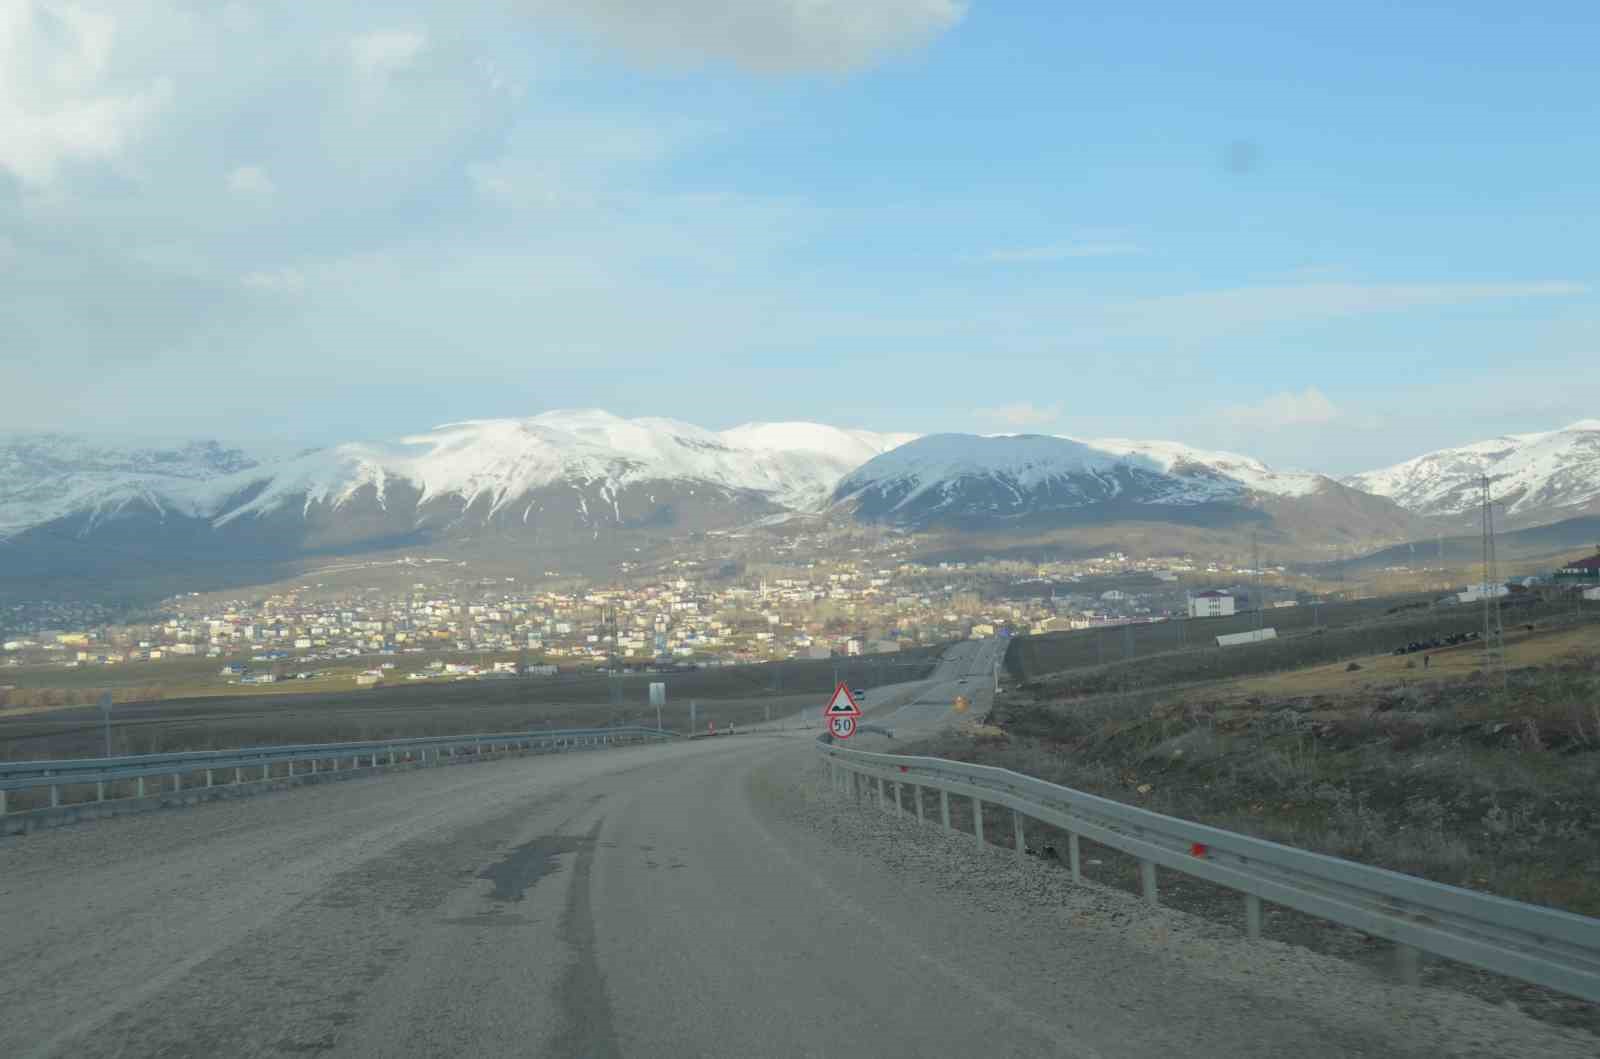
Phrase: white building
pixel 1212 604
pixel 1482 591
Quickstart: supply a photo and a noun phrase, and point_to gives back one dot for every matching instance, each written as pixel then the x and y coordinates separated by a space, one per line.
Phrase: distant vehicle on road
pixel 963 680
pixel 857 693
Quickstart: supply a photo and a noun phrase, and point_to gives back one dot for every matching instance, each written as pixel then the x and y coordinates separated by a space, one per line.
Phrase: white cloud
pixel 385 51
pixel 251 182
pixel 527 186
pixel 771 36
pixel 1309 407
pixel 1061 252
pixel 275 281
pixel 58 99
pixel 1022 414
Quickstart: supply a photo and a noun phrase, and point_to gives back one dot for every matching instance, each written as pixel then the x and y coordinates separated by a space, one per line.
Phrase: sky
pixel 1330 236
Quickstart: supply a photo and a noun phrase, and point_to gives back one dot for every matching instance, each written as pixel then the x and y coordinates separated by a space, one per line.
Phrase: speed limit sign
pixel 842 727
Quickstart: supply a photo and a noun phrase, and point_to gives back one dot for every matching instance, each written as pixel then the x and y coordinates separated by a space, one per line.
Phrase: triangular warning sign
pixel 842 704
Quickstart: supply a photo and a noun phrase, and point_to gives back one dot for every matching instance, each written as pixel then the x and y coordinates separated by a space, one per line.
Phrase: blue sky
pixel 1331 238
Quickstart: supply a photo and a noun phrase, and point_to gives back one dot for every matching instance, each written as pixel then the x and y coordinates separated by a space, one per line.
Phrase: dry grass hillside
pixel 1433 769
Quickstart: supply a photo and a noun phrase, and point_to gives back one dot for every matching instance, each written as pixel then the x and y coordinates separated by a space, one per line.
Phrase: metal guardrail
pixel 1545 946
pixel 423 750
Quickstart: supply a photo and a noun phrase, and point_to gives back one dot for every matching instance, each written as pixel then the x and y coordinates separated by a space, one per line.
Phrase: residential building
pixel 1210 604
pixel 1585 571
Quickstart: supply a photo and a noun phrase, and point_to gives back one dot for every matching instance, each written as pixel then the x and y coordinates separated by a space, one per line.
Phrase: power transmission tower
pixel 608 618
pixel 1494 644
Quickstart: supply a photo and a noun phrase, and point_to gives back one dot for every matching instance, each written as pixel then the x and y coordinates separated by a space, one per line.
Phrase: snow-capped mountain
pixel 808 459
pixel 1541 478
pixel 1229 469
pixel 498 463
pixel 967 475
pixel 945 477
pixel 44 477
pixel 964 481
pixel 560 472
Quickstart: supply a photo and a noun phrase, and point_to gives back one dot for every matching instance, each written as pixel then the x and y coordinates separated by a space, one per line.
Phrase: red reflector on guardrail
pixel 903 768
pixel 1198 849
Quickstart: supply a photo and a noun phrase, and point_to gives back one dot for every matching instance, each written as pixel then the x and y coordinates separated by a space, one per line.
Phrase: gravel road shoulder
pixel 1419 1019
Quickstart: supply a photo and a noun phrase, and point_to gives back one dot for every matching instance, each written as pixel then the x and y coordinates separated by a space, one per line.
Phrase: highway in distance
pixel 706 898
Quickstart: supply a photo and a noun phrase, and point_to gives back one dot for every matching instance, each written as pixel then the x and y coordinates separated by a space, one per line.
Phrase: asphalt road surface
pixel 708 898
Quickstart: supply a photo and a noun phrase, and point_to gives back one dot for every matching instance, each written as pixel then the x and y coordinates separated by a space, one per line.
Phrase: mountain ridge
pixel 588 480
pixel 1542 477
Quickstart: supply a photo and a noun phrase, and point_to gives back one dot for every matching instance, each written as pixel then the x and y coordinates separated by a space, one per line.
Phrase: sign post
pixel 658 699
pixel 841 713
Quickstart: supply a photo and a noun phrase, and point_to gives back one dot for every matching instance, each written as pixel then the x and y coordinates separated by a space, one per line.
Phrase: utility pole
pixel 1255 565
pixel 105 712
pixel 1494 646
pixel 608 619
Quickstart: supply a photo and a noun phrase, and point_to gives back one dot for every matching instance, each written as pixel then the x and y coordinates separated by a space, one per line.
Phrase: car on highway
pixel 858 693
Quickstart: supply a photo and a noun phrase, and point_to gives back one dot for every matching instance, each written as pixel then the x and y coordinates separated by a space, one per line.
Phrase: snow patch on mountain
pixel 1233 470
pixel 1538 474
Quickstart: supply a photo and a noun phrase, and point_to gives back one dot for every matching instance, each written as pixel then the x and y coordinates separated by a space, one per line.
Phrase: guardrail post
pixel 140 787
pixel 2 803
pixel 313 766
pixel 1147 877
pixel 177 781
pixel 208 777
pixel 291 768
pixel 1073 857
pixel 99 790
pixel 1016 831
pixel 391 756
pixel 916 789
pixel 883 795
pixel 55 796
pixel 977 821
pixel 1252 917
pixel 238 774
pixel 266 771
pixel 899 807
pixel 944 809
pixel 856 780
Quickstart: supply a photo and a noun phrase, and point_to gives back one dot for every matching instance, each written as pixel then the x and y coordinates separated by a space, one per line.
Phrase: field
pixel 180 678
pixel 1130 658
pixel 732 694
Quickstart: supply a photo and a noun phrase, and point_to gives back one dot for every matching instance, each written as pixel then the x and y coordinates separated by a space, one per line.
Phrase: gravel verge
pixel 1424 1019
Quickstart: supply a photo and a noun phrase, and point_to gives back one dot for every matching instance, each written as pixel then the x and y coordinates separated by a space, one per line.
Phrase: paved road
pixel 967 669
pixel 702 899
